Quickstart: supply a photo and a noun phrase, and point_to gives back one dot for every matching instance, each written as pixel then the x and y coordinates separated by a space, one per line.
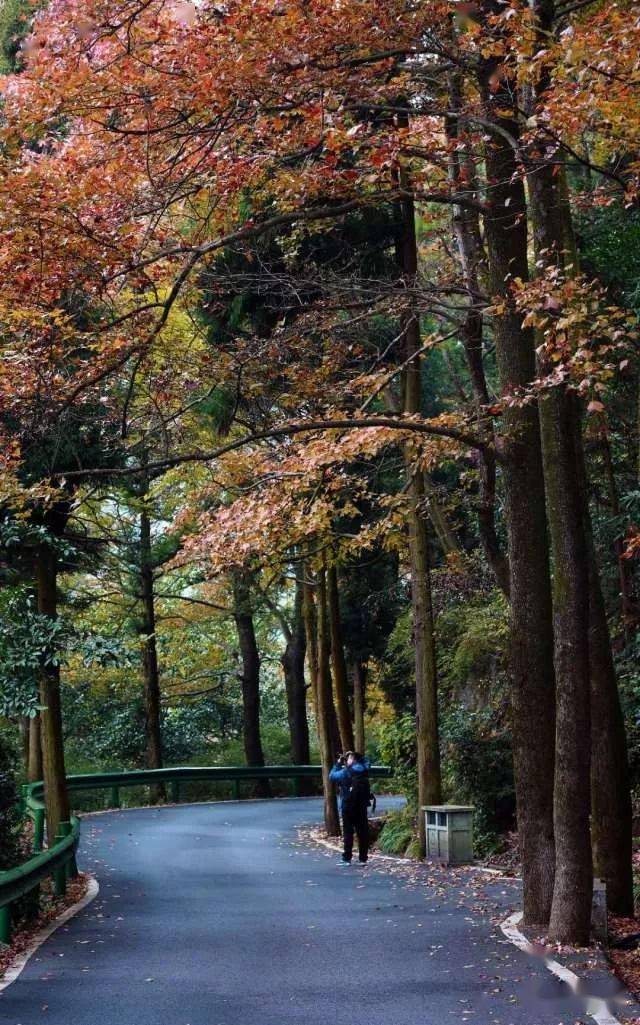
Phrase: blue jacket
pixel 342 776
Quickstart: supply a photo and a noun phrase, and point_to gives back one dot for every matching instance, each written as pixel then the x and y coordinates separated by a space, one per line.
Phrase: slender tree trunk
pixel 34 764
pixel 571 907
pixel 611 809
pixel 439 520
pixel 628 606
pixel 295 686
pixel 428 745
pixel 311 634
pixel 326 711
pixel 338 662
pixel 359 703
pixel 532 673
pixel 150 671
pixel 466 225
pixel 250 676
pixel 570 920
pixel 53 769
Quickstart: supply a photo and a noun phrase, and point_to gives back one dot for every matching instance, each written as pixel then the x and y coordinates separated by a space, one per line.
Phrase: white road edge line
pixel 596 1009
pixel 21 962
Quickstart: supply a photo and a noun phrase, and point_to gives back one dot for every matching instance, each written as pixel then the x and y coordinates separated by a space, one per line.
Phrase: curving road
pixel 219 915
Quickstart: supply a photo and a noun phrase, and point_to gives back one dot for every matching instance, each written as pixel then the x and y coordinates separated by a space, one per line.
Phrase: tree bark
pixel 611 808
pixel 34 763
pixel 359 703
pixel 428 744
pixel 249 677
pixel 625 573
pixel 466 225
pixel 326 711
pixel 570 920
pixel 56 796
pixel 295 686
pixel 338 662
pixel 150 671
pixel 311 635
pixel 532 673
pixel 439 520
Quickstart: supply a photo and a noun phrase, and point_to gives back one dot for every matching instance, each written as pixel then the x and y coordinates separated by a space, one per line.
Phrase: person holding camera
pixel 351 774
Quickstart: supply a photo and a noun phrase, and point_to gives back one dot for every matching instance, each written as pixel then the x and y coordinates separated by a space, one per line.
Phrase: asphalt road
pixel 219 915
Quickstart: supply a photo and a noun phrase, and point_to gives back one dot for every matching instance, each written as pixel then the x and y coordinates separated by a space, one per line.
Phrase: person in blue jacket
pixel 351 774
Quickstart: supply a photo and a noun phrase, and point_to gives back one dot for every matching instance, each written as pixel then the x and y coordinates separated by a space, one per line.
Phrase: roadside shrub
pixel 478 770
pixel 397 832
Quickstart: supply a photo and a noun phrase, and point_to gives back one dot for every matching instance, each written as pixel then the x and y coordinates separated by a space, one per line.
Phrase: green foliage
pixel 628 666
pixel 473 640
pixel 609 240
pixel 106 731
pixel 397 744
pixel 398 667
pixel 28 640
pixel 10 819
pixel 397 832
pixel 15 20
pixel 478 770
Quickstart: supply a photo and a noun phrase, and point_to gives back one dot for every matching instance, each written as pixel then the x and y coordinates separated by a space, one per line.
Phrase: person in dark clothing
pixel 351 775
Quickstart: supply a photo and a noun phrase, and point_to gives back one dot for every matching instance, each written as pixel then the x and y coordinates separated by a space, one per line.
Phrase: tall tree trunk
pixel 295 686
pixel 532 673
pixel 625 572
pixel 428 744
pixel 326 711
pixel 249 677
pixel 611 809
pixel 338 662
pixel 466 225
pixel 570 920
pixel 440 521
pixel 359 703
pixel 34 764
pixel 150 672
pixel 311 635
pixel 56 796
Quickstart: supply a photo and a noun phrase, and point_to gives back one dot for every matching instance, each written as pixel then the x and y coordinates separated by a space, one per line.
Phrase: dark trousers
pixel 355 821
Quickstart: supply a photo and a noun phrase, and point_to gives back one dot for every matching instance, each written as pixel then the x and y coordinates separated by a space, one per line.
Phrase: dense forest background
pixel 293 350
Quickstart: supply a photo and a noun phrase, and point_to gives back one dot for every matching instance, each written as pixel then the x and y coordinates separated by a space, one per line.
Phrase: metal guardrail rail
pixel 58 860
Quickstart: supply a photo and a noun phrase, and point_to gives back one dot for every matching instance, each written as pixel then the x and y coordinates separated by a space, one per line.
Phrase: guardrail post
pixel 297 786
pixel 5 924
pixel 115 797
pixel 63 871
pixel 38 829
pixel 175 791
pixel 236 789
pixel 71 866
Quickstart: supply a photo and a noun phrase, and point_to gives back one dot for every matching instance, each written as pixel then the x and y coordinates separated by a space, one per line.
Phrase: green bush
pixel 397 747
pixel 397 832
pixel 478 770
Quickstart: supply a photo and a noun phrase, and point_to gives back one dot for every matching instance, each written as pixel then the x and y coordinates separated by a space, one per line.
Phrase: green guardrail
pixel 58 860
